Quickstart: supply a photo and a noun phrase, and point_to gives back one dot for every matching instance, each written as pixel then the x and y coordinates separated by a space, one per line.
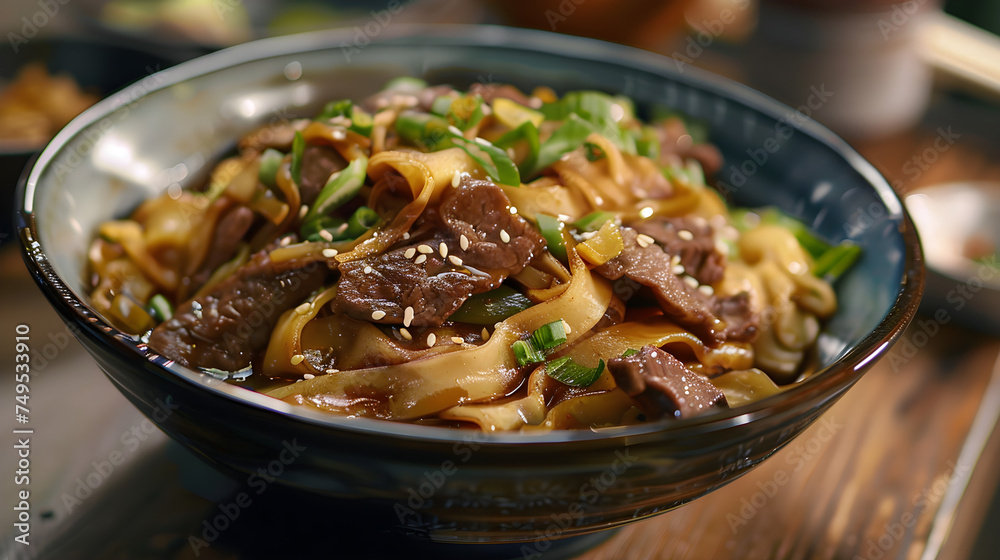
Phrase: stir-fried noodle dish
pixel 483 258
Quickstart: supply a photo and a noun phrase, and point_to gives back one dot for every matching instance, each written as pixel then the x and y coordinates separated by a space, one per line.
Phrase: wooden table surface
pixel 901 467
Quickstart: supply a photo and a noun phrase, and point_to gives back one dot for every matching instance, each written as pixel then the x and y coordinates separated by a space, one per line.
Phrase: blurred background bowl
pixel 98 67
pixel 443 484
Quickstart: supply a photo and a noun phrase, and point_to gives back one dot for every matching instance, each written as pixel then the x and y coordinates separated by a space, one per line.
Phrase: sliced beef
pixel 742 323
pixel 650 266
pixel 225 328
pixel 697 250
pixel 663 385
pixel 437 285
pixel 318 163
pixel 232 227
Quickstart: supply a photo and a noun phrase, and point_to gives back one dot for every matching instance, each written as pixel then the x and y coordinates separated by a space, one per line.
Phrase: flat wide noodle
pixel 427 175
pixel 427 386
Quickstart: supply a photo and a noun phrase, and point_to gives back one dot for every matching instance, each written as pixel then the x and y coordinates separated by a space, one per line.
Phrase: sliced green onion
pixel 526 132
pixel 337 108
pixel 432 133
pixel 551 229
pixel 270 161
pixel 566 371
pixel 570 135
pixel 362 122
pixel 496 162
pixel 465 112
pixel 160 308
pixel 647 144
pixel 405 84
pixel 341 187
pixel 298 148
pixel 525 353
pixel 593 152
pixel 549 336
pixel 362 220
pixel 833 263
pixel 593 221
pixel 336 229
pixel 595 108
pixel 441 104
pixel 630 352
pixel 490 307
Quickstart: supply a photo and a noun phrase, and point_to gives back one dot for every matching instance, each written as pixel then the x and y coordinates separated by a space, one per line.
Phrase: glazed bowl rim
pixel 828 383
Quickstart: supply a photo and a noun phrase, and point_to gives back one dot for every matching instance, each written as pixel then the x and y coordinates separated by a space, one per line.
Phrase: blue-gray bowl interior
pixel 174 125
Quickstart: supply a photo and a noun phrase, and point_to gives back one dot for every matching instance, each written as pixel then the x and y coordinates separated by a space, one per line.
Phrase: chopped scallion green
pixel 565 370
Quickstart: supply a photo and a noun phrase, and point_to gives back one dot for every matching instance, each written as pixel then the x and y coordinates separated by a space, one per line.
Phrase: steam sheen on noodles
pixel 480 258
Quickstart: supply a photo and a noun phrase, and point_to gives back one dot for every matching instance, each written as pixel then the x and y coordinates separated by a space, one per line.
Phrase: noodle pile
pixel 295 268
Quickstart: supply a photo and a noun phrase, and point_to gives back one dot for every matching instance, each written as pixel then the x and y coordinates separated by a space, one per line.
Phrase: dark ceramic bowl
pixel 445 484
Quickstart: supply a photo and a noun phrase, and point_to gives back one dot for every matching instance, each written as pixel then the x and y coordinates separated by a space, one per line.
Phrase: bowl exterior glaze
pixel 450 485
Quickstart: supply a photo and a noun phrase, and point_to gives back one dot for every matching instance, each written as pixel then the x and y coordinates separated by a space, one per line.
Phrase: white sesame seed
pixel 566 327
pixel 456 179
pixel 685 235
pixel 285 241
pixel 646 212
pixel 406 333
pixel 426 249
pixel 482 141
pixel 644 240
pixel 420 259
pixel 308 376
pixel 463 242
pixel 378 314
pixel 454 130
pixel 455 260
pixel 458 340
pixel 485 334
pixel 333 370
pixel 409 253
pixel 564 218
pixel 406 235
pixel 691 281
pixel 339 135
pixel 326 235
pixel 706 289
pixel 407 315
pixel 304 308
pixel 699 221
pixel 443 249
pixel 303 210
pixel 513 209
pixel 431 339
pixel 329 253
pixel 297 359
pixel 677 269
pixel 368 270
pixel 504 236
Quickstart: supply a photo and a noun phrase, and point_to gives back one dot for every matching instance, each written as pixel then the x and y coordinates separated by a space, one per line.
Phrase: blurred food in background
pixel 208 22
pixel 37 104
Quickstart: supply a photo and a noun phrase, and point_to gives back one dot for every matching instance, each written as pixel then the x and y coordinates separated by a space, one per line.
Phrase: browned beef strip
pixel 698 255
pixel 227 327
pixel 436 287
pixel 318 163
pixel 742 323
pixel 232 227
pixel 663 385
pixel 650 267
